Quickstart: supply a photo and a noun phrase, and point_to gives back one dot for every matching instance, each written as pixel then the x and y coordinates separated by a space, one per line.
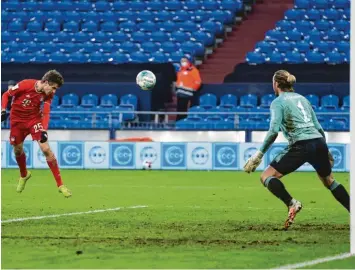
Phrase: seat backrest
pixel 266 100
pixel 109 100
pixel 229 100
pixel 346 102
pixel 248 101
pixel 208 100
pixel 70 100
pixel 89 100
pixel 330 102
pixel 129 99
pixel 314 100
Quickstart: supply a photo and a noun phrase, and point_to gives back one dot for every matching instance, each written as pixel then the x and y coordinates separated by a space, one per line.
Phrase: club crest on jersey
pixel 26 102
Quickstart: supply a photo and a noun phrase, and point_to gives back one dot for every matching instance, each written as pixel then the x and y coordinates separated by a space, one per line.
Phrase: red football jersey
pixel 26 101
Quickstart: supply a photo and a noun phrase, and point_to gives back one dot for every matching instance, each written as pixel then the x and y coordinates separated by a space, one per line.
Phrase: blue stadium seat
pixel 322 47
pixel 39 57
pixel 314 57
pixel 128 26
pixel 49 47
pixel 89 27
pixel 159 57
pixel 163 16
pixel 228 101
pixel 78 57
pixel 119 58
pixel 128 47
pixel 173 5
pixel 147 26
pixel 16 26
pixel 346 103
pixel 139 37
pixel 169 47
pixel 129 100
pixel 72 16
pixel 192 5
pixel 266 100
pixel 303 26
pixel 71 27
pixel 255 58
pixel 179 36
pixel 137 5
pixel 208 101
pixel 120 5
pixel 333 35
pixel 69 101
pixel 195 112
pixel 331 15
pixel 108 101
pixel 168 26
pixel 159 36
pixel 232 5
pixel 342 25
pixel 146 16
pixel 139 57
pixel 58 57
pixel 102 6
pixel 176 56
pixel 343 47
pixel 96 57
pixel 284 25
pixel 313 15
pixel 52 27
pixel 30 5
pixel 149 47
pixel 89 101
pixel 294 58
pixel 330 102
pixel 82 6
pixel 293 36
pixel 264 47
pixel 283 47
pixel 34 26
pixel 108 27
pixel 320 4
pixel 314 100
pixel 341 4
pixel 334 58
pixel 275 58
pixel 119 37
pixel 204 37
pixel 293 15
pixel 322 25
pixel 302 47
pixel 274 35
pixel 188 26
pixel 248 101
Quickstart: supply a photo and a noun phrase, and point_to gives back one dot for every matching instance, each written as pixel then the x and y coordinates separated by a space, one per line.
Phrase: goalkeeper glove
pixel 253 162
pixel 44 136
pixel 3 116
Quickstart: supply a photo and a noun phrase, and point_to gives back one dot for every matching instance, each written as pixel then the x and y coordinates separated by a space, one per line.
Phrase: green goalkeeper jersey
pixel 294 115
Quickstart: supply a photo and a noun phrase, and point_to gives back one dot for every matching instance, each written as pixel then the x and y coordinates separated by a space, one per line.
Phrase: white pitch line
pixel 317 261
pixel 72 214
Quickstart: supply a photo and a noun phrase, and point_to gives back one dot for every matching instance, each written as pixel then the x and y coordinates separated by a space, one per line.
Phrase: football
pixel 146 79
pixel 147 165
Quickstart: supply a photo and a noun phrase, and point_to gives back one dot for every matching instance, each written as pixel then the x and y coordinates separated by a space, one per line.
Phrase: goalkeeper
pixel 293 114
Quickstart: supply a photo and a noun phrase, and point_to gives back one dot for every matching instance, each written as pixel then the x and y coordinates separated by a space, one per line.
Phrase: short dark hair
pixel 53 76
pixel 285 80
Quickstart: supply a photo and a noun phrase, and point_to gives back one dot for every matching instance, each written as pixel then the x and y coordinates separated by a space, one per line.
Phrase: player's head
pixel 51 81
pixel 283 81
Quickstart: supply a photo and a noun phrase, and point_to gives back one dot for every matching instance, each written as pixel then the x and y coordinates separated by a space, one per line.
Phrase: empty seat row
pixel 24 39
pixel 322 4
pixel 224 16
pixel 250 101
pixel 103 6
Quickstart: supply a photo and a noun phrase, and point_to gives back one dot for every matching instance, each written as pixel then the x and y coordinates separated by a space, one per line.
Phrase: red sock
pixel 53 165
pixel 21 161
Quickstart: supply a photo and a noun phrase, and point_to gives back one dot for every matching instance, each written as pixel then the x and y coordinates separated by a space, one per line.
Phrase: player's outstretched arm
pixel 45 121
pixel 4 101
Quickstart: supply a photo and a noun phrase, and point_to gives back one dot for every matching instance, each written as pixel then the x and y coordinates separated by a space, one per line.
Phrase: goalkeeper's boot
pixel 22 182
pixel 65 191
pixel 293 209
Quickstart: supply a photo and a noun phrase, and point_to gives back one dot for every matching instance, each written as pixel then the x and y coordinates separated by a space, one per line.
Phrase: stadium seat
pixel 314 57
pixel 264 47
pixel 275 58
pixel 266 100
pixel 129 100
pixel 228 101
pixel 196 111
pixel 71 27
pixel 139 37
pixel 255 58
pixel 70 101
pixel 248 101
pixel 330 102
pixel 89 101
pixel 314 100
pixel 208 101
pixel 108 101
pixel 293 15
pixel 313 15
pixel 346 103
pixel 139 57
pixel 334 58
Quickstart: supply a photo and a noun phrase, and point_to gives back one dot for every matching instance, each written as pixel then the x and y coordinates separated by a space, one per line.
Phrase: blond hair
pixel 285 80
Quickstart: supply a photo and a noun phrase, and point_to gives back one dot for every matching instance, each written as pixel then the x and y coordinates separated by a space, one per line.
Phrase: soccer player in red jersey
pixel 28 118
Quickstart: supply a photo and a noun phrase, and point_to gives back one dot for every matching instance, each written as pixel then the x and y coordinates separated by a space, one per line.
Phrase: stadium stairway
pixel 243 39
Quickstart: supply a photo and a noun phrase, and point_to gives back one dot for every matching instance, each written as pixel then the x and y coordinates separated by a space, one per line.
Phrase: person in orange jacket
pixel 187 84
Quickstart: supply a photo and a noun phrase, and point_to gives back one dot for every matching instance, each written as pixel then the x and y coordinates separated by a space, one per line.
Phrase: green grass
pixel 193 220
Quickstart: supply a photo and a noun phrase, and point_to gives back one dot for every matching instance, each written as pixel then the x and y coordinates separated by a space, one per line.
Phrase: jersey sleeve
pixel 18 89
pixel 46 113
pixel 276 111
